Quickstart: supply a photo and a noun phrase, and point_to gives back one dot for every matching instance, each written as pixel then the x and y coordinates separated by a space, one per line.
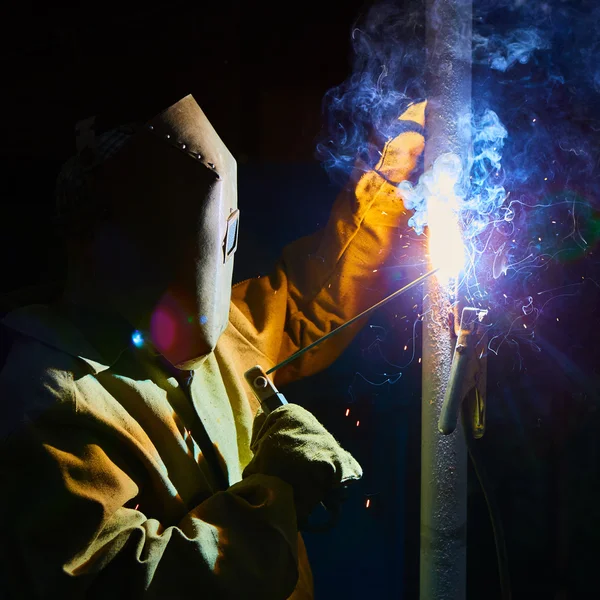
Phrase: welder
pixel 133 462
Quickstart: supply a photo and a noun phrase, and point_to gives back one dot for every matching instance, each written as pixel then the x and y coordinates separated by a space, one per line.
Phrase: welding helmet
pixel 173 189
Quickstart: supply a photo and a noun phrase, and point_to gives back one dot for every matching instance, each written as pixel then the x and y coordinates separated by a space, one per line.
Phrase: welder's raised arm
pixel 327 278
pixel 71 529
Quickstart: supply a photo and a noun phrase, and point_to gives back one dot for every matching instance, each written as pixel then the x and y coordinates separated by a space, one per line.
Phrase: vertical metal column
pixel 443 457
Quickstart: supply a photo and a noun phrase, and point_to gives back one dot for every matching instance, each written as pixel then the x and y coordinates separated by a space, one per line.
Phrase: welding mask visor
pixel 173 191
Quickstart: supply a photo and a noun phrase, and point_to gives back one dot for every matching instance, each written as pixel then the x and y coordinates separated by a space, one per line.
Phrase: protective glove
pixel 291 444
pixel 402 150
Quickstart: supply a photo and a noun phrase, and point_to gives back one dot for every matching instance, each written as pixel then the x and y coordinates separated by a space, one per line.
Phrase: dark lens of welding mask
pixel 231 235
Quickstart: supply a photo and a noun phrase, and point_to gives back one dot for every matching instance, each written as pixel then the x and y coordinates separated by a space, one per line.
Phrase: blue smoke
pixel 386 77
pixel 533 174
pixel 482 201
pixel 501 52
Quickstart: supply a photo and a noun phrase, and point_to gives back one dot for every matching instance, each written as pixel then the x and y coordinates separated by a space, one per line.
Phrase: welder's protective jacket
pixel 120 480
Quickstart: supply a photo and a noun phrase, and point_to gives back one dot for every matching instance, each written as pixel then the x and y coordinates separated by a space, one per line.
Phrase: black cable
pixel 493 511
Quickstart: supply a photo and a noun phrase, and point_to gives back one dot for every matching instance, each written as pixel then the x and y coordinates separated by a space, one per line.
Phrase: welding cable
pixel 492 506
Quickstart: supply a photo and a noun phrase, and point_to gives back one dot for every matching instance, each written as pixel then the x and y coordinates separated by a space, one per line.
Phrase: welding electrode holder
pixel 468 374
pixel 264 389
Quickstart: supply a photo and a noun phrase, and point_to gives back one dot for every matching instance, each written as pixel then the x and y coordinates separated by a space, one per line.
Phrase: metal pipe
pixel 443 457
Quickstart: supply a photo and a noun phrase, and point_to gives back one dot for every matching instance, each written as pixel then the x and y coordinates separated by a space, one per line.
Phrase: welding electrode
pixel 263 388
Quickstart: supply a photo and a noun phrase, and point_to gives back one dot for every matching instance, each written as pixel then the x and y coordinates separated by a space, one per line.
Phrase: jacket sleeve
pixel 70 530
pixel 325 279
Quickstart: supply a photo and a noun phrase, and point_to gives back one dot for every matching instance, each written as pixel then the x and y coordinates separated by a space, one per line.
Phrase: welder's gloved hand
pixel 291 444
pixel 404 145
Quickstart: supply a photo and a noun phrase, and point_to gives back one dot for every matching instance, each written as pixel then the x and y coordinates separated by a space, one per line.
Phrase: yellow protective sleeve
pixel 327 278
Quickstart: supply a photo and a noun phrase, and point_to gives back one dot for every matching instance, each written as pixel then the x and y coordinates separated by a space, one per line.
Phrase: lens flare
pixel 137 338
pixel 164 327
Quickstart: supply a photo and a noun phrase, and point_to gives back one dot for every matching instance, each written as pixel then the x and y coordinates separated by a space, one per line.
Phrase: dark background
pixel 260 73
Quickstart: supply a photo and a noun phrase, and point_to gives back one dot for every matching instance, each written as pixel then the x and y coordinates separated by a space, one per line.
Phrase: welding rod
pixel 353 320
